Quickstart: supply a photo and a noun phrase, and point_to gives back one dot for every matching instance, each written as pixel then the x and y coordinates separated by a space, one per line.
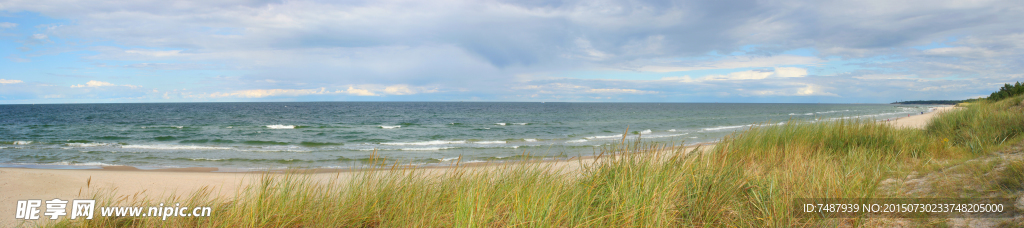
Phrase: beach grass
pixel 748 179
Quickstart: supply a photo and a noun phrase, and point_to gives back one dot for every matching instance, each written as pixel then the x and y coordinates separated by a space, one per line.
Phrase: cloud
pixel 790 72
pixel 632 91
pixel 476 48
pixel 93 83
pixel 259 93
pixel 359 92
pixel 780 72
pixel 10 81
pixel 734 62
pixel 399 90
pixel 152 53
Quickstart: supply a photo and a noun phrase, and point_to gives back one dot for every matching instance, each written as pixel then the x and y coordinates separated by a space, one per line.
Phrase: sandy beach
pixel 45 184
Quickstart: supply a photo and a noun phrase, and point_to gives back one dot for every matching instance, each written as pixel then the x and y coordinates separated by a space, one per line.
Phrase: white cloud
pixel 742 75
pixel 258 93
pixel 735 62
pixel 39 36
pixel 12 81
pixel 806 90
pixel 884 77
pixel 399 90
pixel 631 91
pixel 359 92
pixel 8 25
pixel 93 83
pixel 152 53
pixel 790 72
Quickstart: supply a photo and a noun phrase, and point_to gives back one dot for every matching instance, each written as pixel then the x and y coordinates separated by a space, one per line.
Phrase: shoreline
pixel 915 121
pixel 45 184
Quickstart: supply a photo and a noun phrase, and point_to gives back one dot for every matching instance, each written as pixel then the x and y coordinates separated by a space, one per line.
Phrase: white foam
pixel 449 159
pixel 435 142
pixel 174 147
pixel 519 123
pixel 179 127
pixel 576 141
pixel 228 127
pixel 530 140
pixel 279 126
pixel 92 144
pixel 390 127
pixel 664 136
pixel 648 131
pixel 502 124
pixel 726 127
pixel 604 137
pixel 81 164
pixel 490 142
pixel 205 159
pixel 427 148
pixel 672 130
pixel 22 142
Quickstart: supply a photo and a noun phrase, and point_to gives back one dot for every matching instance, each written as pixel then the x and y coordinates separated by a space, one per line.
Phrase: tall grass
pixel 981 124
pixel 748 179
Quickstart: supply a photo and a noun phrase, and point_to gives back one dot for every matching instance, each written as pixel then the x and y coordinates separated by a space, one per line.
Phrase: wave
pixel 257 142
pixel 90 144
pixel 490 142
pixel 664 136
pixel 604 137
pixel 319 144
pixel 174 147
pixel 726 127
pixel 427 148
pixel 435 142
pixel 833 111
pixel 520 123
pixel 279 126
pixel 75 163
pixel 206 159
pixel 576 141
pixel 22 142
pixel 671 130
pixel 502 124
pixel 648 131
pixel 390 127
pixel 530 140
pixel 448 159
pixel 805 114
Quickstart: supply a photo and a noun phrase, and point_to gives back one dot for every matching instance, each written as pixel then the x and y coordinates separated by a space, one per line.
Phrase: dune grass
pixel 748 179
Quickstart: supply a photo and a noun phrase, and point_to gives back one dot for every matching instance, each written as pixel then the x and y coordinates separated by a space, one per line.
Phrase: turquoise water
pixel 346 134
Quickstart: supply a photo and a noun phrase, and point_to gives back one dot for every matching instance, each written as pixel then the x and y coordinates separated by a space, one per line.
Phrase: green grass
pixel 749 179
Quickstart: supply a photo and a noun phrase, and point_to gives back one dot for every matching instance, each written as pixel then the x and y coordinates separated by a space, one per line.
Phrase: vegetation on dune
pixel 748 179
pixel 1007 91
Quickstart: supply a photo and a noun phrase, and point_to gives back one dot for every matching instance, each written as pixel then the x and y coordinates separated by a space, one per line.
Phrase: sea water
pixel 349 134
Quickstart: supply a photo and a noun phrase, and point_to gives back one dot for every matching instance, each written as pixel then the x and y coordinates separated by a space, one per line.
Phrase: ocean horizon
pixel 275 135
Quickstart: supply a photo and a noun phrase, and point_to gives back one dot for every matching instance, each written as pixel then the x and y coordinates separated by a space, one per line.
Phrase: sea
pixel 255 136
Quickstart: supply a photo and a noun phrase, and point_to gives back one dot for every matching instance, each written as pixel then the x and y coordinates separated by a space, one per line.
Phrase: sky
pixel 773 51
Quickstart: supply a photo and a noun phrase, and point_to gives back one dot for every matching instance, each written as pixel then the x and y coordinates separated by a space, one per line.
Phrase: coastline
pixel 45 184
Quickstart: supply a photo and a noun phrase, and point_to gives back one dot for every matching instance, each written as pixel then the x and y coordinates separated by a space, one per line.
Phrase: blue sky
pixel 81 51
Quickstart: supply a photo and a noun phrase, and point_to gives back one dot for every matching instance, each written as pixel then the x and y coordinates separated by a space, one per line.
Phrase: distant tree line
pixel 949 102
pixel 1006 92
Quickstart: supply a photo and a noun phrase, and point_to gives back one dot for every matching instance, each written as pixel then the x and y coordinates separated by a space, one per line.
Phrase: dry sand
pixel 46 184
